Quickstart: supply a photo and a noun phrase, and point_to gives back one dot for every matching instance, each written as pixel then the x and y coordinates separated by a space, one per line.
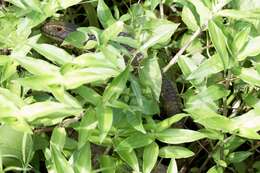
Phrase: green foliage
pixel 93 102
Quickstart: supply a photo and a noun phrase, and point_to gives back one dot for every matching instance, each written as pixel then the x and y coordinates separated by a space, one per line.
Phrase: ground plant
pixel 130 86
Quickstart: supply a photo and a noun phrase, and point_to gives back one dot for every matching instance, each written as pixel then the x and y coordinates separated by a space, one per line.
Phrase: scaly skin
pixel 58 30
pixel 170 99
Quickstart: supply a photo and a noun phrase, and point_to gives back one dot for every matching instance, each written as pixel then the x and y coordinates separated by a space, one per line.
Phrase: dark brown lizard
pixel 170 100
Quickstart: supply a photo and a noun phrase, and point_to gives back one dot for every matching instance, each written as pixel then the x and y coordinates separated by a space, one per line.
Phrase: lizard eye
pixel 59 29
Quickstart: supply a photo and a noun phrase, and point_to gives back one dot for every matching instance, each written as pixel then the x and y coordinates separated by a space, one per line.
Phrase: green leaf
pixel 33 4
pixel 166 123
pixel 105 120
pixel 58 138
pixel 135 120
pixel 239 14
pixel 239 156
pixel 111 32
pixel 162 31
pixel 210 66
pixel 248 124
pixel 251 49
pixel 130 158
pixel 240 40
pixel 67 3
pixel 64 97
pixel 175 152
pixel 46 110
pixel 97 59
pixel 150 75
pixel 41 82
pixel 16 146
pixel 60 162
pixel 220 43
pixel 11 97
pixel 215 169
pixel 108 164
pixel 75 78
pixel 172 168
pixel 136 140
pixel 178 136
pixel 150 156
pixel 53 53
pixel 88 94
pixel 37 66
pixel 82 159
pixel 189 19
pixel 104 14
pixel 250 76
pixel 17 3
pixel 116 87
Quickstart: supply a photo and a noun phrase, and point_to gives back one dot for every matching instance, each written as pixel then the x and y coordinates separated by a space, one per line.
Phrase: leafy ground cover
pixel 96 101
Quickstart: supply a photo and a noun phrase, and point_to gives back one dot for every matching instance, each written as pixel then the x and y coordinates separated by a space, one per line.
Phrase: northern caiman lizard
pixel 170 100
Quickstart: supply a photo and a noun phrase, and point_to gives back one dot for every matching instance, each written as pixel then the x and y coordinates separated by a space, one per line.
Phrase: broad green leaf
pixel 239 14
pixel 162 31
pixel 116 87
pixel 67 3
pixel 88 122
pixel 76 39
pixel 212 93
pixel 135 86
pixel 212 134
pixel 136 140
pixel 40 82
pixel 88 94
pixel 108 164
pixel 239 156
pixel 17 3
pixel 248 124
pixel 204 13
pixel 58 137
pixel 78 77
pixel 33 4
pixel 37 66
pixel 82 159
pixel 53 53
pixel 251 49
pixel 178 136
pixel 172 168
pixel 64 97
pixel 151 76
pixel 220 43
pixel 46 110
pixel 189 19
pixel 215 169
pixel 233 142
pixel 250 76
pixel 111 32
pixel 11 97
pixel 16 146
pixel 104 14
pixel 105 120
pixel 240 40
pixel 130 158
pixel 175 152
pixel 210 66
pixel 166 123
pixel 93 60
pixel 150 156
pixel 60 162
pixel 217 123
pixel 135 120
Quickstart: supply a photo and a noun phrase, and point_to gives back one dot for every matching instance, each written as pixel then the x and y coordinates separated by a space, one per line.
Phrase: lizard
pixel 170 100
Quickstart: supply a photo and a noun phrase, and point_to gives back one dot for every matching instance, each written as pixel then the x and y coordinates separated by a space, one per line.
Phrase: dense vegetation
pixel 94 102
